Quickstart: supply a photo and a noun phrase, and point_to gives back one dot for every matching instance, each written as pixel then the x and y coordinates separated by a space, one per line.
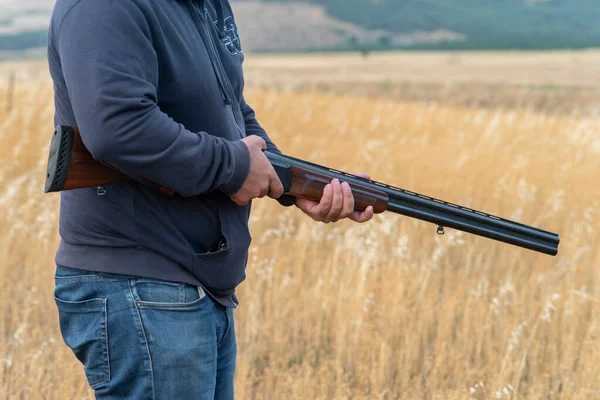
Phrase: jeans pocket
pixel 166 295
pixel 83 325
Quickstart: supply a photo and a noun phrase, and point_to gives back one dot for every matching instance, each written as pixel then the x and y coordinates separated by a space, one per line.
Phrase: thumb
pixel 362 175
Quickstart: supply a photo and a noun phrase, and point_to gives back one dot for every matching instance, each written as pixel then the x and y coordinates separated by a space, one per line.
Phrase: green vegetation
pixel 24 40
pixel 487 24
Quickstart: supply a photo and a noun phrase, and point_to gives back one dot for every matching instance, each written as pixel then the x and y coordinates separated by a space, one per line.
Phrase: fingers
pixel 261 179
pixel 275 189
pixel 238 200
pixel 364 216
pixel 348 201
pixel 263 193
pixel 337 203
pixel 322 209
pixel 318 210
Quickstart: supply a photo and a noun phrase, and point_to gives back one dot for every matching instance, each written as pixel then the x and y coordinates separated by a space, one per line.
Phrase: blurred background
pixel 491 105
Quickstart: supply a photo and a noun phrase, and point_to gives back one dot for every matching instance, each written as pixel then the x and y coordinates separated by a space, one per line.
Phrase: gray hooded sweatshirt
pixel 155 87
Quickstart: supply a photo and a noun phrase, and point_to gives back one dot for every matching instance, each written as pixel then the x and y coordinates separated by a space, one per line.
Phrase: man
pixel 145 283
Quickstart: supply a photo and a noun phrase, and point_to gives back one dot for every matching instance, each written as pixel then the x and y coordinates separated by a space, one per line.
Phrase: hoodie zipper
pixel 226 90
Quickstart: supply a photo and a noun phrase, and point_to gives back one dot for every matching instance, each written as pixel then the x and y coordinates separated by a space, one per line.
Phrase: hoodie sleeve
pixel 111 72
pixel 254 128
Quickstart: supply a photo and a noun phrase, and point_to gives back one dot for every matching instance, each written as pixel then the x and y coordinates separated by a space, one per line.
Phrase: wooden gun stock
pixel 72 166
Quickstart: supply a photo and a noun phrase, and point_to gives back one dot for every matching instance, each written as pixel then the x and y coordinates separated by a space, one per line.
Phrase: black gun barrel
pixel 441 213
pixel 488 230
pixel 441 206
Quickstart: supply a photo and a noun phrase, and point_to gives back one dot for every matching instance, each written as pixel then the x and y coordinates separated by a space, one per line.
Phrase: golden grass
pixel 552 82
pixel 565 68
pixel 383 310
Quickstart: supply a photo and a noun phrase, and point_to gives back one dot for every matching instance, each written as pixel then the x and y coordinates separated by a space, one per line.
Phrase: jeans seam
pixel 105 351
pixel 227 329
pixel 141 325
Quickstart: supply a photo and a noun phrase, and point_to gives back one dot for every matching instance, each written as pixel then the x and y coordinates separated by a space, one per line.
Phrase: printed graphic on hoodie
pixel 231 37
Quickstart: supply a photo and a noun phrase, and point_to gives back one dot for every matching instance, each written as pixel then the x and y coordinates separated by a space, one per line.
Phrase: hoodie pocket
pixel 224 269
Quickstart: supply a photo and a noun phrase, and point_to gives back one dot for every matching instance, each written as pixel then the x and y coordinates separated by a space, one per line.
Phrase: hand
pixel 337 203
pixel 262 179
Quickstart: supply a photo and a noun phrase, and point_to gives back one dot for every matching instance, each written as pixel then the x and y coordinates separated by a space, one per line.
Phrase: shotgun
pixel 71 166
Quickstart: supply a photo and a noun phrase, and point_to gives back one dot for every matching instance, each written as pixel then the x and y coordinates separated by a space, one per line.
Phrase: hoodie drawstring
pixel 220 20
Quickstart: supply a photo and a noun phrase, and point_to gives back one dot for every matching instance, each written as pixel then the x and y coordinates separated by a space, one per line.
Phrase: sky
pixel 18 16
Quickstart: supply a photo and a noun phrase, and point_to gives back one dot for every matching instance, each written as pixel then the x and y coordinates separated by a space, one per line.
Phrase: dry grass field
pixel 565 83
pixel 384 310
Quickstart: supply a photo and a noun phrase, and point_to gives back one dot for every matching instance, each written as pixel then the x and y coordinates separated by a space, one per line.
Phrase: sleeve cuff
pixel 241 166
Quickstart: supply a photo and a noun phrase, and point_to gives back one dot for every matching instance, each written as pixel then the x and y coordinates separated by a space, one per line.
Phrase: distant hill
pixel 297 26
pixel 486 24
pixel 313 25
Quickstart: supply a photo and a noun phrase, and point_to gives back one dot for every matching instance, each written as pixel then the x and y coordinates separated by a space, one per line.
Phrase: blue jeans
pixel 144 338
